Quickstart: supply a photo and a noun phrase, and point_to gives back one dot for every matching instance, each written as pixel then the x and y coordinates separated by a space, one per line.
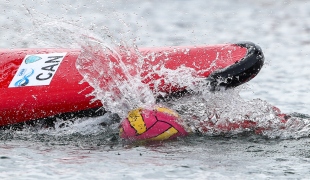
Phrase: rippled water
pixel 84 149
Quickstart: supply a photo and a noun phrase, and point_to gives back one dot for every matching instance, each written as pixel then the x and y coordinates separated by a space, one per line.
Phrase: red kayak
pixel 41 83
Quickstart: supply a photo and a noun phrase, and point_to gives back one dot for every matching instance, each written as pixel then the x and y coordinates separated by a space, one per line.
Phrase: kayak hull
pixel 56 88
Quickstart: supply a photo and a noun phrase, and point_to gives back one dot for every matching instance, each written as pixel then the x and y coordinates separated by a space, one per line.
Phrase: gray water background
pixel 282 30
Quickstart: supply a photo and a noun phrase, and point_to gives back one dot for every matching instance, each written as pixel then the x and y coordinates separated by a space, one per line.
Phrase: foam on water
pixel 226 107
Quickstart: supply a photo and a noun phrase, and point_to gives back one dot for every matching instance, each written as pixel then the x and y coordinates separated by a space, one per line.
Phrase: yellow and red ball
pixel 157 123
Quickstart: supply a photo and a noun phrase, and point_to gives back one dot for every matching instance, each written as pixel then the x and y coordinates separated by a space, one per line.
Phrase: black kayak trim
pixel 240 72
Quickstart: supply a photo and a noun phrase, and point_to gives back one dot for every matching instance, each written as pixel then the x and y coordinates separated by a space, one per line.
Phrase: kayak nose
pixel 240 72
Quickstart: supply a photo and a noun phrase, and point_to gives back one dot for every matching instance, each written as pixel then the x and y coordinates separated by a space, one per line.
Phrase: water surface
pixel 87 151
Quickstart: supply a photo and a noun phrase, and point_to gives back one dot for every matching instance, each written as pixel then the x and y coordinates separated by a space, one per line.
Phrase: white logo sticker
pixel 37 70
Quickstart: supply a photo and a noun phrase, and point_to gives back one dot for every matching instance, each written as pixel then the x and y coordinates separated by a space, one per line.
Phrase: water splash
pixel 113 68
pixel 108 64
pixel 115 76
pixel 124 78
